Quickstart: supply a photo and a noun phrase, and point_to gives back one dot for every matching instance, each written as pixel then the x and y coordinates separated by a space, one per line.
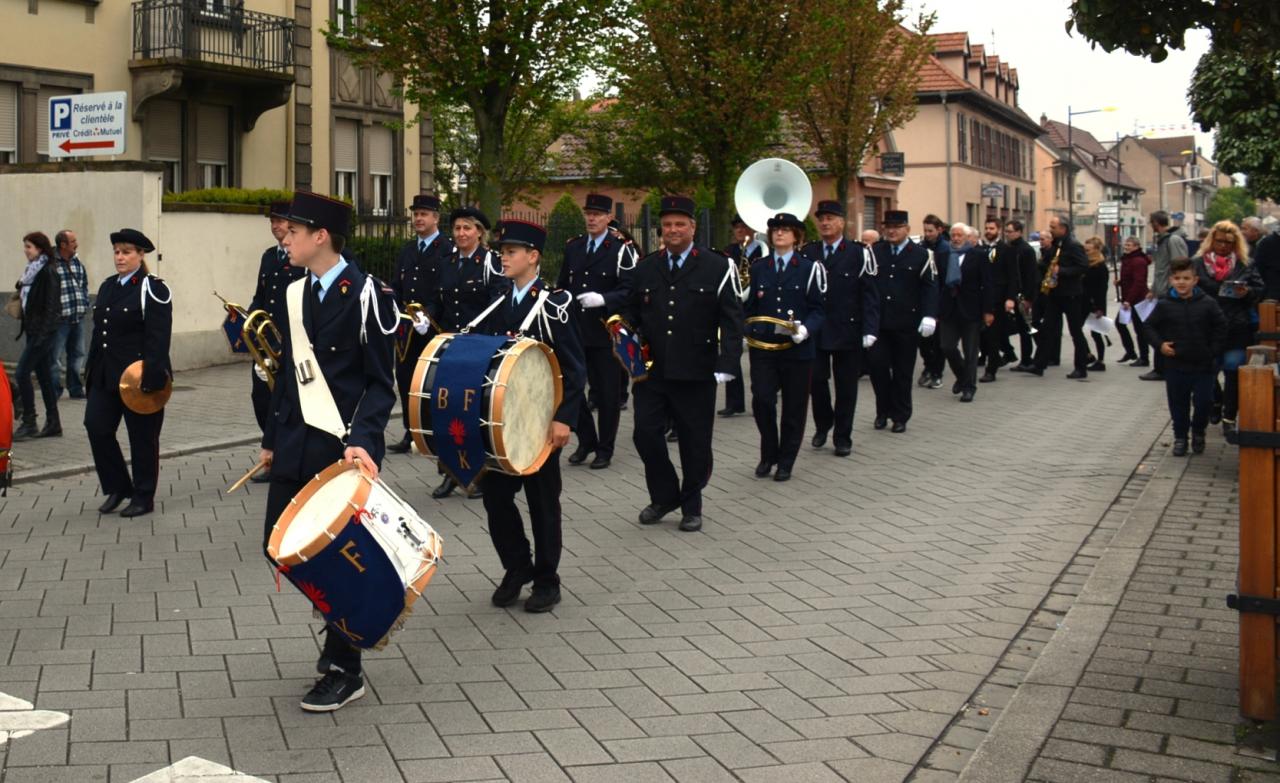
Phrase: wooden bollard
pixel 1269 323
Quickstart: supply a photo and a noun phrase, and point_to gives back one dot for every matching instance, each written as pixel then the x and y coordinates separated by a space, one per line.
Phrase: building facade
pixel 222 93
pixel 1077 175
pixel 1177 178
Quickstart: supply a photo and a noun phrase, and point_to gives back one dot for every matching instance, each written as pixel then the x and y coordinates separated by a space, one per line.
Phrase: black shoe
pixel 764 469
pixel 1097 367
pixel 881 422
pixel 1008 358
pixel 445 489
pixel 783 474
pixel 1151 376
pixel 262 477
pixel 936 383
pixel 580 455
pixel 77 395
pixel 1141 363
pixel 542 599
pixel 475 494
pixel 1077 375
pixel 1180 447
pixel 966 396
pixel 691 523
pixel 898 426
pixel 27 431
pixel 1229 430
pixel 112 502
pixel 1215 415
pixel 1020 368
pixel 137 508
pixel 727 412
pixel 672 437
pixel 843 450
pixel 1036 371
pixel 925 379
pixel 1128 357
pixel 956 388
pixel 52 429
pixel 1197 442
pixel 601 462
pixel 987 377
pixel 819 439
pixel 403 446
pixel 333 691
pixel 653 514
pixel 508 591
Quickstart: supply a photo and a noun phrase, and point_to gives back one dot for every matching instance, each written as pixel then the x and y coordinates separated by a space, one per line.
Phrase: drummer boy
pixel 352 357
pixel 521 246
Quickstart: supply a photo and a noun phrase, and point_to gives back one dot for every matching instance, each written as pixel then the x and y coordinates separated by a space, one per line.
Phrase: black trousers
pixel 893 362
pixel 931 354
pixel 260 395
pixel 772 373
pixel 1026 340
pixel 102 413
pixel 1182 388
pixel 506 528
pixel 602 375
pixel 995 340
pixel 404 373
pixel 1055 308
pixel 959 340
pixel 735 391
pixel 845 368
pixel 691 407
pixel 1139 350
pixel 337 649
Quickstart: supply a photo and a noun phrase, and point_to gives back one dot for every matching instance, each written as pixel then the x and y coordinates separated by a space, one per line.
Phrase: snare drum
pixel 482 402
pixel 357 551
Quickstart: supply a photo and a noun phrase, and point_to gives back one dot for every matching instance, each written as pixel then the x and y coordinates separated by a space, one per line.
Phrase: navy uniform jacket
pixel 358 373
pixel 756 250
pixel 417 274
pixel 607 271
pixel 275 273
pixel 853 303
pixel 122 334
pixel 466 286
pixel 976 293
pixel 795 295
pixel 691 318
pixel 908 289
pixel 563 339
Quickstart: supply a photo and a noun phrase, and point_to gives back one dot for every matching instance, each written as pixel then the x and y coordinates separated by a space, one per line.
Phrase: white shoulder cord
pixel 731 277
pixel 147 293
pixel 626 253
pixel 869 265
pixel 819 272
pixel 539 311
pixel 368 298
pixel 484 314
pixel 488 266
pixel 929 267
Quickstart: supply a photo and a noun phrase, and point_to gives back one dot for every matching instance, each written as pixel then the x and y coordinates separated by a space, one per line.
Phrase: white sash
pixel 318 408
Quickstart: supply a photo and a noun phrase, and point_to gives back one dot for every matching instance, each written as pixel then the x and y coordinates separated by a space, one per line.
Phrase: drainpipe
pixel 289 115
pixel 946 144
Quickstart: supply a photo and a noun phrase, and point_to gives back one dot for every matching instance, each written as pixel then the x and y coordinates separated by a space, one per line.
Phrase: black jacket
pixel 357 371
pixel 275 273
pixel 1026 261
pixel 1238 310
pixel 563 339
pixel 607 271
pixel 1195 326
pixel 1266 259
pixel 466 286
pixel 975 295
pixel 123 334
pixel 417 274
pixel 907 285
pixel 1097 282
pixel 795 295
pixel 44 303
pixel 1072 263
pixel 1006 272
pixel 853 302
pixel 691 318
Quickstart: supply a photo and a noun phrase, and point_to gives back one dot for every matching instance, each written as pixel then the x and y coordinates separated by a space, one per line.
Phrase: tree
pixel 865 83
pixel 564 223
pixel 1234 204
pixel 510 64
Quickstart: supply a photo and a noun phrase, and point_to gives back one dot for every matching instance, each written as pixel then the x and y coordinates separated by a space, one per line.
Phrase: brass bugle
pixel 768 319
pixel 231 306
pixel 265 343
pixel 410 316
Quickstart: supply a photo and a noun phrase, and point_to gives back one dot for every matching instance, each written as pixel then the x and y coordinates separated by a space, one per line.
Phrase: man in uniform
pixel 852 326
pixel 935 241
pixel 685 302
pixel 275 273
pixel 415 282
pixel 745 250
pixel 907 283
pixel 597 271
pixel 353 355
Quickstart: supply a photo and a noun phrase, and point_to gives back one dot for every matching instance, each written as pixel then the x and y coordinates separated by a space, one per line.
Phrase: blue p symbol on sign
pixel 60 114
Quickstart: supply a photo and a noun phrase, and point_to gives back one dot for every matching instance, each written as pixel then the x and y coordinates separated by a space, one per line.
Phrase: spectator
pixel 73 292
pixel 1171 243
pixel 1133 289
pixel 1096 283
pixel 966 304
pixel 870 236
pixel 1226 275
pixel 1264 249
pixel 39 289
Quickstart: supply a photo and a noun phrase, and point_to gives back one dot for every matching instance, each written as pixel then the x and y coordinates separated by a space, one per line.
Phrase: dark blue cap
pixel 785 220
pixel 829 208
pixel 521 232
pixel 316 211
pixel 426 201
pixel 682 205
pixel 598 202
pixel 896 217
pixel 133 236
pixel 470 212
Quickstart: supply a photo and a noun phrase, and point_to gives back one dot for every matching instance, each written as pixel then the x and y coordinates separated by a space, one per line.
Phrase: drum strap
pixel 318 408
pixel 484 314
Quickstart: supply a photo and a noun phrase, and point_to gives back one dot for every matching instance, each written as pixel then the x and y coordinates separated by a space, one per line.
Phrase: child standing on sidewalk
pixel 1188 329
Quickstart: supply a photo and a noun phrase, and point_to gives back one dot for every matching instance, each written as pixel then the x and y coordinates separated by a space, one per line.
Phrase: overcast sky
pixel 1056 70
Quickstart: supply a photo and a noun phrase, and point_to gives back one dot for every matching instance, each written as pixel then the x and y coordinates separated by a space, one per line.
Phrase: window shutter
pixel 381 150
pixel 869 205
pixel 211 135
pixel 42 115
pixel 346 150
pixel 8 117
pixel 164 130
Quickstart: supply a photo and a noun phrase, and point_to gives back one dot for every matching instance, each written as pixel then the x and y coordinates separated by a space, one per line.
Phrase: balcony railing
pixel 218 32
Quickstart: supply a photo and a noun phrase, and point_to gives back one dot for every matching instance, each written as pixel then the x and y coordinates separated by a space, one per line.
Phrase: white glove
pixel 868 340
pixel 422 324
pixel 723 377
pixel 927 326
pixel 258 371
pixel 590 299
pixel 800 335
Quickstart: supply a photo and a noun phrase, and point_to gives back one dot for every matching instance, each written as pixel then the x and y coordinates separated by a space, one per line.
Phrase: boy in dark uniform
pixel 521 246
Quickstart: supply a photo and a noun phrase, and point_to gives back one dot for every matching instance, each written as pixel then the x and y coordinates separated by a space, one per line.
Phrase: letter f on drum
pixel 349 552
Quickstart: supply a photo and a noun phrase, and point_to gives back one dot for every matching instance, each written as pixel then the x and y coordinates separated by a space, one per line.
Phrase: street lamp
pixel 1071 171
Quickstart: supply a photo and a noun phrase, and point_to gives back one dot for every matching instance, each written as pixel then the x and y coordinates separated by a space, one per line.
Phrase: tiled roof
pixel 934 77
pixel 1088 153
pixel 978 52
pixel 949 42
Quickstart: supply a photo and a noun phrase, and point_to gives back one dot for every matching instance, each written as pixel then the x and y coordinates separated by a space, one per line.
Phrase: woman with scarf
pixel 1133 289
pixel 38 288
pixel 1096 283
pixel 1225 273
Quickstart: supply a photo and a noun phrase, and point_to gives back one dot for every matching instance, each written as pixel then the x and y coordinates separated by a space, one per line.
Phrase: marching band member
pixel 338 320
pixel 275 273
pixel 415 281
pixel 132 319
pixel 852 326
pixel 524 292
pixel 789 286
pixel 597 271
pixel 470 278
pixel 967 303
pixel 744 252
pixel 1063 283
pixel 908 311
pixel 685 301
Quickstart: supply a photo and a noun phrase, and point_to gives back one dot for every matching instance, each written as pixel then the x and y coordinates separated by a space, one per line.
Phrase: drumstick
pixel 262 463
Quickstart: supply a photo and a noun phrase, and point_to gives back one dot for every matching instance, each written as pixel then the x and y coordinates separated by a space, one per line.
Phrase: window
pixel 344 16
pixel 870 213
pixel 8 122
pixel 213 148
pixel 962 141
pixel 346 159
pixel 381 167
pixel 163 137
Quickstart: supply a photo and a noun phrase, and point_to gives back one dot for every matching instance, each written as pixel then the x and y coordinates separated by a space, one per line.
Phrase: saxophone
pixel 1050 280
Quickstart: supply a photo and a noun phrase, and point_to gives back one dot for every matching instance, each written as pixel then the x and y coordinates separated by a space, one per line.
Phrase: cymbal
pixel 134 398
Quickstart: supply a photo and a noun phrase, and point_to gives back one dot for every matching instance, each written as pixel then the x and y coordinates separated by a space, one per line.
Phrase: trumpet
pixel 410 317
pixel 259 337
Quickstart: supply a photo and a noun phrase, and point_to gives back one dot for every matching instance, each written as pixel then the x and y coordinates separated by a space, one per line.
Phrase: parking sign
pixel 92 124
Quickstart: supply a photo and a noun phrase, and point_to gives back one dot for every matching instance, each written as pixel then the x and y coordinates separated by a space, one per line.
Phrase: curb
pixel 75 470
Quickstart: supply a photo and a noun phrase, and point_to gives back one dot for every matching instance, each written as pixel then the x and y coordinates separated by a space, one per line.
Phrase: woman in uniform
pixel 132 320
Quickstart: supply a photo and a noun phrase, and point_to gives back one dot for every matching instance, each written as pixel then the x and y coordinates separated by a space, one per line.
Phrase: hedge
pixel 261 197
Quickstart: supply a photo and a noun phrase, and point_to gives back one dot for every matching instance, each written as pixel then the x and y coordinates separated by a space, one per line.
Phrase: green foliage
pixel 1234 204
pixel 564 223
pixel 1150 28
pixel 376 254
pixel 256 197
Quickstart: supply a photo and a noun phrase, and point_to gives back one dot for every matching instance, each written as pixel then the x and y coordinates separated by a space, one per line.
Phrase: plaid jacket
pixel 73 287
